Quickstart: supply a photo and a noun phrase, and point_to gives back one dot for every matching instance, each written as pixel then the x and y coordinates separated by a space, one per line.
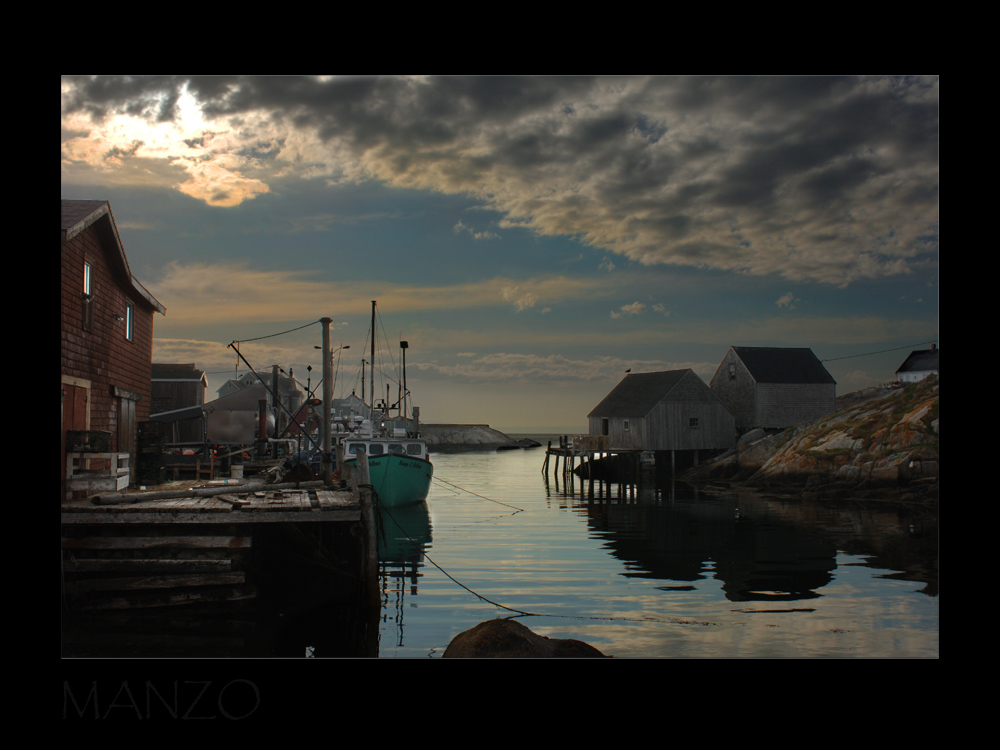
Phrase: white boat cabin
pixel 386 439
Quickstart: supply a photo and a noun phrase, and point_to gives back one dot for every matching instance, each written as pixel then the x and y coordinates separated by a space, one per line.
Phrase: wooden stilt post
pixel 369 563
pixel 590 474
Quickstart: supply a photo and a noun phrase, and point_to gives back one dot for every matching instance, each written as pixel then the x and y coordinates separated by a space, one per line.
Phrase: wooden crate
pixel 111 475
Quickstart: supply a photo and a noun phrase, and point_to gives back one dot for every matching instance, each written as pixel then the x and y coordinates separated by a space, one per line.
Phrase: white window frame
pixel 87 321
pixel 129 320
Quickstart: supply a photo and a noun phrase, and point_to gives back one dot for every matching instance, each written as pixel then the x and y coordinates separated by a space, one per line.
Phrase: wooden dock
pixel 579 454
pixel 206 544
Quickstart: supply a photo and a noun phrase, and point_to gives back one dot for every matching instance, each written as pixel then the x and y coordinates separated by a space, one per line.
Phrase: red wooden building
pixel 107 330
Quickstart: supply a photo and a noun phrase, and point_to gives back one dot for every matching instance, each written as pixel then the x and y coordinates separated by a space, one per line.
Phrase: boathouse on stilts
pixel 665 421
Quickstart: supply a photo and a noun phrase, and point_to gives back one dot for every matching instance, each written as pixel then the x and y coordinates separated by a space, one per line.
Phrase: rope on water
pixel 383 509
pixel 444 481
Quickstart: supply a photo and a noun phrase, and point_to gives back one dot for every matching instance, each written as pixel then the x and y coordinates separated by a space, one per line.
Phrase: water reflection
pixel 761 548
pixel 640 571
pixel 403 535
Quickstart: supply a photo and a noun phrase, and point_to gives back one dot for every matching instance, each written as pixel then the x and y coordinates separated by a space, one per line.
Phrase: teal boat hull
pixel 399 480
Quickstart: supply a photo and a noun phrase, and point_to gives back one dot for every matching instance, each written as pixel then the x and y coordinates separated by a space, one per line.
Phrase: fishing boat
pixel 399 467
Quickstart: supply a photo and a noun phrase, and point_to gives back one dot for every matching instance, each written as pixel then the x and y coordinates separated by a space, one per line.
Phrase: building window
pixel 625 425
pixel 87 321
pixel 129 319
pixel 732 371
pixel 693 423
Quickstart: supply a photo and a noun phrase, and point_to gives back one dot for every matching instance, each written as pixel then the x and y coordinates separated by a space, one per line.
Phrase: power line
pixel 259 338
pixel 868 354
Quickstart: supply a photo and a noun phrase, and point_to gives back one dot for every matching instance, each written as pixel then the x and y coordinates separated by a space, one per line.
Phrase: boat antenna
pixel 372 372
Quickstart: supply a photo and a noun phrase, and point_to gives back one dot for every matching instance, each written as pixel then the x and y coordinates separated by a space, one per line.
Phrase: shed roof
pixel 78 215
pixel 245 399
pixel 185 372
pixel 772 364
pixel 637 394
pixel 920 360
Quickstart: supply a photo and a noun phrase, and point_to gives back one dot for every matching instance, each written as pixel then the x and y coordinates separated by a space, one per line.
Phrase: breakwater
pixel 454 438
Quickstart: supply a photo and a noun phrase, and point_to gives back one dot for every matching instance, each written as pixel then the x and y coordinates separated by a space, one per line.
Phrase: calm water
pixel 672 573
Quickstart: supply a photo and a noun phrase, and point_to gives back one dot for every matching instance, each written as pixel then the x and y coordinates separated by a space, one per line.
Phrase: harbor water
pixel 667 572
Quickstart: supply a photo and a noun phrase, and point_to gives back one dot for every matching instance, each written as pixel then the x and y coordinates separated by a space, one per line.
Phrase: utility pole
pixel 277 408
pixel 326 462
pixel 404 346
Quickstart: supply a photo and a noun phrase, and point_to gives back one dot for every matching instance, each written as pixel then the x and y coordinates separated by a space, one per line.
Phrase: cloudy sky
pixel 531 238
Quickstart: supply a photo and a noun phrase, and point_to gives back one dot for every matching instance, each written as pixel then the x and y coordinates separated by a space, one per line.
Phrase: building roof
pixel 174 415
pixel 181 372
pixel 921 360
pixel 772 364
pixel 245 399
pixel 78 215
pixel 637 394
pixel 286 384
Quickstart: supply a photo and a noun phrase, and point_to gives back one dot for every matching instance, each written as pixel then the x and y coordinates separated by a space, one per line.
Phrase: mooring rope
pixel 445 481
pixel 427 557
pixel 383 509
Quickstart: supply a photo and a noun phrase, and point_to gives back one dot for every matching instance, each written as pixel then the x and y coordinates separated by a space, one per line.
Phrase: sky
pixel 531 238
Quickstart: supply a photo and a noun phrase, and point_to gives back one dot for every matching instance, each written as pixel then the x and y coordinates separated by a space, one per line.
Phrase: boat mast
pixel 372 372
pixel 404 346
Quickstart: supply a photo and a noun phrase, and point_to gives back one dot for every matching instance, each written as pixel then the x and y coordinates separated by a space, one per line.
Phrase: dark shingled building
pixel 663 411
pixel 774 387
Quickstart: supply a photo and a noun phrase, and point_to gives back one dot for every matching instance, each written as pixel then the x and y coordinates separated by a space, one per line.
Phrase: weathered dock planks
pixel 166 550
pixel 236 506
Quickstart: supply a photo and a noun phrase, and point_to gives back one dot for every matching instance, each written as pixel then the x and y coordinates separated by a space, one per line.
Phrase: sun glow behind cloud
pixel 140 151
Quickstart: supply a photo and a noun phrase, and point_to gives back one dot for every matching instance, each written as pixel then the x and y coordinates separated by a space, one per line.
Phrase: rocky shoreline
pixel 881 443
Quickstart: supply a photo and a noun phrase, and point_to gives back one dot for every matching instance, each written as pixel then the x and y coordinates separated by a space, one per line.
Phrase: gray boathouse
pixel 663 411
pixel 773 387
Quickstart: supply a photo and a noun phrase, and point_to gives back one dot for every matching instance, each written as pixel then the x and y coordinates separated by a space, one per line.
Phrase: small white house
pixel 920 364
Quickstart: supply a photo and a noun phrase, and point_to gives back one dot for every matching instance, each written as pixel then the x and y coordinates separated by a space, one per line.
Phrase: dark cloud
pixel 149 97
pixel 658 169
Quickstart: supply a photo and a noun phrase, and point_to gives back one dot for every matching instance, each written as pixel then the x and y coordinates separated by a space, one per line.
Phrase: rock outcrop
pixel 448 438
pixel 508 639
pixel 878 438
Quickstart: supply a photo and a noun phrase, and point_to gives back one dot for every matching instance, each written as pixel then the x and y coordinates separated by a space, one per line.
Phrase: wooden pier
pixel 219 548
pixel 579 454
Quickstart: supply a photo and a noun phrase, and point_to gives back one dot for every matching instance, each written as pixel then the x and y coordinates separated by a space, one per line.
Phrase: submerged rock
pixel 508 639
